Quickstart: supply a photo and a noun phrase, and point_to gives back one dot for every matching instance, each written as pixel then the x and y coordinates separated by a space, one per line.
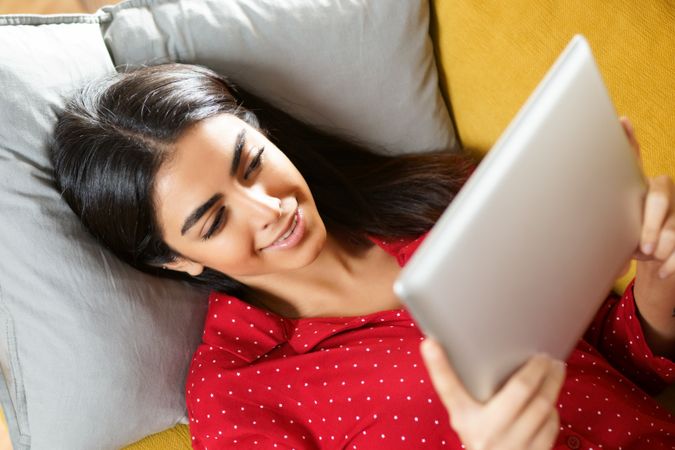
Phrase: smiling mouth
pixel 292 235
pixel 290 230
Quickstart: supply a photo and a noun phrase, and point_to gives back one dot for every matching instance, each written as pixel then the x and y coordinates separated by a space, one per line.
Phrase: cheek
pixel 282 167
pixel 233 254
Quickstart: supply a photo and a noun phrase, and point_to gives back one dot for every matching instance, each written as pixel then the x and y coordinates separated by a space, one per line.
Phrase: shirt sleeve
pixel 616 332
pixel 223 419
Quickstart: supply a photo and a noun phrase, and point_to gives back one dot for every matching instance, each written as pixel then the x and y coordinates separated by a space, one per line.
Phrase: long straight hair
pixel 115 133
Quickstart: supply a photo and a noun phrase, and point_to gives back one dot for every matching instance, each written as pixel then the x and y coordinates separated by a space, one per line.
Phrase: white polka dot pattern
pixel 261 381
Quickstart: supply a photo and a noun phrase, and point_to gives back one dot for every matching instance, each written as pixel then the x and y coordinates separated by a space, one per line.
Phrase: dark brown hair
pixel 115 133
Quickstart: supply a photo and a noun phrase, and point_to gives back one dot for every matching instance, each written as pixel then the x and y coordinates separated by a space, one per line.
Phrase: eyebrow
pixel 199 212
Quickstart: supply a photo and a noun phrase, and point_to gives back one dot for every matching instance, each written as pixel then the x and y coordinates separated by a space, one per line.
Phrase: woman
pixel 299 236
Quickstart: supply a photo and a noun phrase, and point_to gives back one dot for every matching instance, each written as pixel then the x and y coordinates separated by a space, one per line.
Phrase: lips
pixel 287 228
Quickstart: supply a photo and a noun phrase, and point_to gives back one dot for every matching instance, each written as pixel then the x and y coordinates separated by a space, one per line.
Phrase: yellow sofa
pixel 491 54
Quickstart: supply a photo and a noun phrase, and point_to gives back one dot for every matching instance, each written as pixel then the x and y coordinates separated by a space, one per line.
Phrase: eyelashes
pixel 255 163
pixel 220 215
pixel 216 223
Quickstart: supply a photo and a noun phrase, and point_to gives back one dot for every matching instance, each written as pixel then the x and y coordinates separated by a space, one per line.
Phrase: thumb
pixel 624 270
pixel 446 382
pixel 639 256
pixel 630 134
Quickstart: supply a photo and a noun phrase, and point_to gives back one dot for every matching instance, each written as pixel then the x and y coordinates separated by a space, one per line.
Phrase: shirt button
pixel 573 442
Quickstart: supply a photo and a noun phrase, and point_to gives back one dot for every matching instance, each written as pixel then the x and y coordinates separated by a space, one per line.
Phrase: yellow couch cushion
pixel 176 438
pixel 492 54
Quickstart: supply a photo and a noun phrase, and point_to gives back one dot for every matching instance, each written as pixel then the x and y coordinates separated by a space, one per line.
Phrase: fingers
pixel 658 226
pixel 512 398
pixel 540 409
pixel 630 133
pixel 657 239
pixel 546 435
pixel 666 240
pixel 522 412
pixel 624 270
pixel 668 267
pixel 449 387
pixel 657 208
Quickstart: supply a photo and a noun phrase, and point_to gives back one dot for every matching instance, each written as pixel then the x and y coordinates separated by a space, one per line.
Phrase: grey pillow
pixel 361 68
pixel 93 353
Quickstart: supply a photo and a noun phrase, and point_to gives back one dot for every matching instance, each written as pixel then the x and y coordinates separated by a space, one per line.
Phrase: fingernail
pixel 647 248
pixel 663 273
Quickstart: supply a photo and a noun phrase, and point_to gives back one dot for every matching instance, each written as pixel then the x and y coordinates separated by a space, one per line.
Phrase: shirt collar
pixel 248 332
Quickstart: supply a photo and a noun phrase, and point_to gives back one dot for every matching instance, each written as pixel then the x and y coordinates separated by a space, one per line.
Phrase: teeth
pixel 290 231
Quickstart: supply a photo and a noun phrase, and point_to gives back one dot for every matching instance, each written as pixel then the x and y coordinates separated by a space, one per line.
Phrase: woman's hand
pixel 657 239
pixel 521 416
pixel 654 288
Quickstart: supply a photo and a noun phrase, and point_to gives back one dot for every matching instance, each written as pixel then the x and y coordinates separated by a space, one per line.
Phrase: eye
pixel 216 223
pixel 257 161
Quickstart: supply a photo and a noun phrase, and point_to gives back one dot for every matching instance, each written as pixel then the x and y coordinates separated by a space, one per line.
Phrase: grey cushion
pixel 362 68
pixel 94 353
pixel 85 339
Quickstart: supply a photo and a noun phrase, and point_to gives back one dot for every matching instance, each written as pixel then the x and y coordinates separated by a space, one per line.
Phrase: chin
pixel 314 242
pixel 309 248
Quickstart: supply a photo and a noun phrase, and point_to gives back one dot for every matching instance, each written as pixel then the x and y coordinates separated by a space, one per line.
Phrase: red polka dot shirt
pixel 262 381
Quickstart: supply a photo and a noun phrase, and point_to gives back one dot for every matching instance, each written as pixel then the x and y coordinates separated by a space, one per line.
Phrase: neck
pixel 324 288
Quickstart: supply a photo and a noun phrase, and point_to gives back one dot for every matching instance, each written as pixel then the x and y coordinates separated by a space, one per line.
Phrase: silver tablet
pixel 530 247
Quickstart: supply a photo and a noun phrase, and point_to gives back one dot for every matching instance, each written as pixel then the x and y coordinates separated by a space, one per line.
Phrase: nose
pixel 258 206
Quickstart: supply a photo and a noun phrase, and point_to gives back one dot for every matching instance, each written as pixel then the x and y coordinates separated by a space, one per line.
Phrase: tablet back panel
pixel 526 253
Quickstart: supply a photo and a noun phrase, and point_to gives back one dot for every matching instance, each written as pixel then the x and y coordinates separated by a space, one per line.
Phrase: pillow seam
pixel 38 19
pixel 17 417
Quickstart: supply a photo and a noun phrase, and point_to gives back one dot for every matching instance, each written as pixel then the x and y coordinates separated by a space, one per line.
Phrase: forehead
pixel 216 133
pixel 208 141
pixel 201 157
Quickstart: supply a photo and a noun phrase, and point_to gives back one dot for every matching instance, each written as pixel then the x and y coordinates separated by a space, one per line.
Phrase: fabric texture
pixel 259 380
pixel 84 339
pixel 492 54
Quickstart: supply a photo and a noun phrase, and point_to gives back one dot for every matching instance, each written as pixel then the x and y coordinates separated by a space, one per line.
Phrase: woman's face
pixel 229 221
